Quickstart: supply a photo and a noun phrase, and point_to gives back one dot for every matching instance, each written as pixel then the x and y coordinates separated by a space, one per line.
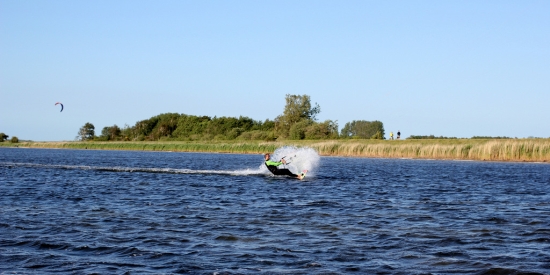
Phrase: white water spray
pixel 298 159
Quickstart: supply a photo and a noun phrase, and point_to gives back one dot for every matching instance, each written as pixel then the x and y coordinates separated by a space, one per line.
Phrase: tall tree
pixel 323 130
pixel 86 132
pixel 298 108
pixel 363 129
pixel 110 133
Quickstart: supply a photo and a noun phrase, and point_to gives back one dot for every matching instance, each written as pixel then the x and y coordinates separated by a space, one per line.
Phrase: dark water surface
pixel 116 212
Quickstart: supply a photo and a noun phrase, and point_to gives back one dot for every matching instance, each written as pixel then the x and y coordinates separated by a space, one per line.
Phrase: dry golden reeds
pixel 534 150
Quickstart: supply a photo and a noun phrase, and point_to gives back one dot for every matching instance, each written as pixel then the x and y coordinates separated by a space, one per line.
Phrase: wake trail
pixel 298 159
pixel 243 172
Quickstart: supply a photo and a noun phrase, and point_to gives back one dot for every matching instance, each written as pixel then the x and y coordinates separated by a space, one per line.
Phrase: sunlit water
pixel 116 212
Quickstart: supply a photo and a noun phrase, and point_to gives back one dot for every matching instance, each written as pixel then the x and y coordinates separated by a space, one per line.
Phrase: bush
pixel 234 133
pixel 220 137
pixel 363 129
pixel 377 135
pixel 324 130
pixel 257 135
pixel 14 140
pixel 298 130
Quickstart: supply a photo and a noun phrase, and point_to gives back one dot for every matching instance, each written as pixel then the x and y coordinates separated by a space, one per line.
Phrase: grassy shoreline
pixel 529 150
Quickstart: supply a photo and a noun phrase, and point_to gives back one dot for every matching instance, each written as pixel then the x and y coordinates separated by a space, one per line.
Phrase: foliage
pixel 86 132
pixel 377 135
pixel 363 129
pixel 257 135
pixel 173 126
pixel 14 139
pixel 298 129
pixel 188 126
pixel 298 109
pixel 307 129
pixel 324 130
pixel 297 122
pixel 126 133
pixel 110 133
pixel 3 137
pixel 165 126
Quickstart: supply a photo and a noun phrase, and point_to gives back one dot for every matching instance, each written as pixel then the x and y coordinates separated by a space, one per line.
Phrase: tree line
pixel 4 137
pixel 298 121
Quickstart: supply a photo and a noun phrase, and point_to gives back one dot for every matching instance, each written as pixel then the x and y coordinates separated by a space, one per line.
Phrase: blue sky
pixel 451 68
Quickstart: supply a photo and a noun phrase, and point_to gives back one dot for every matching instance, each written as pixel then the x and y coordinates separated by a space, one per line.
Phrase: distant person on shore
pixel 272 166
pixel 391 135
pixel 398 134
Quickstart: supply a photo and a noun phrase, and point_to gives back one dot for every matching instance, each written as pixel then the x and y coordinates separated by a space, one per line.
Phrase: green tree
pixel 298 129
pixel 298 108
pixel 14 139
pixel 267 125
pixel 257 135
pixel 189 126
pixel 127 132
pixel 363 129
pixel 165 126
pixel 143 129
pixel 3 137
pixel 110 133
pixel 86 132
pixel 323 130
pixel 234 133
pixel 377 135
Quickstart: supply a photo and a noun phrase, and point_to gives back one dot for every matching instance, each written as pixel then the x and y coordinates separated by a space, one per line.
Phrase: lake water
pixel 128 212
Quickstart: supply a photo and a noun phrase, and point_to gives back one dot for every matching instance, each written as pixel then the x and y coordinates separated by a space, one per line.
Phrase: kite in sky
pixel 61 106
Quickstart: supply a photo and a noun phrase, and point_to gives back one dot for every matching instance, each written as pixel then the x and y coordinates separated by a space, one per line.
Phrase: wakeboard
pixel 303 174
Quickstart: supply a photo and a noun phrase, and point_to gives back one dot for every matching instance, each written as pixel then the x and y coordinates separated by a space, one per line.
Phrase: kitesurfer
pixel 272 166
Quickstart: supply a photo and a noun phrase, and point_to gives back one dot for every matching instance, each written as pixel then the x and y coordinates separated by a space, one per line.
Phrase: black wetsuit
pixel 279 172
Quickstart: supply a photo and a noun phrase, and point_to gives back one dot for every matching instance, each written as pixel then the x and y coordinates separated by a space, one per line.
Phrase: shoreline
pixel 508 150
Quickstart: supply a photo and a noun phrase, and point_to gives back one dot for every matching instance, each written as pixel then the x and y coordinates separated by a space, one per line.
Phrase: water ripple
pixel 104 212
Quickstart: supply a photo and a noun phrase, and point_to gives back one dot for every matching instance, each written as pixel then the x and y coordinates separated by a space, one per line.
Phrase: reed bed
pixel 532 150
pixel 535 150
